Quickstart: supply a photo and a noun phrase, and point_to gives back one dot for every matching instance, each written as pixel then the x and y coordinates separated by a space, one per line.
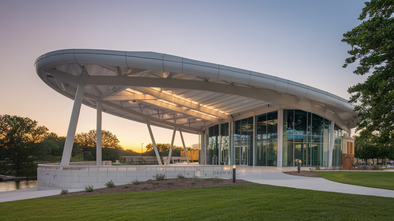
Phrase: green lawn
pixel 243 202
pixel 383 180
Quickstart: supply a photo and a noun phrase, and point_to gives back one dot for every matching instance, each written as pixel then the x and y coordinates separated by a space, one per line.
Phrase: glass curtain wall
pixel 224 144
pixel 243 141
pixel 337 151
pixel 266 139
pixel 306 138
pixel 213 147
pixel 218 148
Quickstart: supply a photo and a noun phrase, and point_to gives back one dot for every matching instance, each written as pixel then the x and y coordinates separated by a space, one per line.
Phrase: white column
pixel 280 138
pixel 184 147
pixel 254 140
pixel 99 158
pixel 172 144
pixel 231 134
pixel 331 144
pixel 154 144
pixel 68 145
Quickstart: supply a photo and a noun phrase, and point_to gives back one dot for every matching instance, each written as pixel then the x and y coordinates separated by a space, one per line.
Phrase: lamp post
pixel 234 173
pixel 298 165
pixel 142 144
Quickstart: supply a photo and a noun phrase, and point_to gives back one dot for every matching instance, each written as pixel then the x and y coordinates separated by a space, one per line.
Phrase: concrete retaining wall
pixel 78 177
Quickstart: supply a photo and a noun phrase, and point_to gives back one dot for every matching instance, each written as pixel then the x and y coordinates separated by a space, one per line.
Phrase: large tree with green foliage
pixel 18 137
pixel 372 45
pixel 87 143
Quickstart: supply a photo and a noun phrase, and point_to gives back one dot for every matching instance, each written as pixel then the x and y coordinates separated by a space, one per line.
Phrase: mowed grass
pixel 383 180
pixel 243 202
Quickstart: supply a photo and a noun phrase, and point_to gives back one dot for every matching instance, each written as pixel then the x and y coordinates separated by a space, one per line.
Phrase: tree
pixel 18 136
pixel 163 149
pixel 50 148
pixel 87 143
pixel 364 148
pixel 372 45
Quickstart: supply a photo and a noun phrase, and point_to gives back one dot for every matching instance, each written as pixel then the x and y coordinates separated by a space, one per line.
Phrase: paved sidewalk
pixel 277 178
pixel 29 193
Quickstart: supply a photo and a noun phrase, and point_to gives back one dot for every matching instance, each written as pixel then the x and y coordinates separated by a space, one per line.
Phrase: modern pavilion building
pixel 242 117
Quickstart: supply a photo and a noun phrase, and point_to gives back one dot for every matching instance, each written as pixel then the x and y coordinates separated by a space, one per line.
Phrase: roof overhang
pixel 170 91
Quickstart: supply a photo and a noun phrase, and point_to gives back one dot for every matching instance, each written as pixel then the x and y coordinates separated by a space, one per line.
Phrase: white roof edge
pixel 171 63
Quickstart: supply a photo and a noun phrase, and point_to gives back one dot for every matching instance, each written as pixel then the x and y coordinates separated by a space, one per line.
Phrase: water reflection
pixel 15 185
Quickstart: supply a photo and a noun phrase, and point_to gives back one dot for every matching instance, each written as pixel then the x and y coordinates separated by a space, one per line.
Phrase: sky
pixel 296 40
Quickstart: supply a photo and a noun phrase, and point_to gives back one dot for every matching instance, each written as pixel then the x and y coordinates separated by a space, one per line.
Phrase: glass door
pixel 241 155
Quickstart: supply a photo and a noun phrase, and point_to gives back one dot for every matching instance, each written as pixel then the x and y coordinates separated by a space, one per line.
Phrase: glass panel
pixel 317 125
pixel 266 148
pixel 224 145
pixel 213 148
pixel 300 121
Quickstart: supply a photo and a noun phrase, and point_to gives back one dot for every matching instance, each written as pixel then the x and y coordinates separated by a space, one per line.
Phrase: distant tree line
pixel 164 150
pixel 24 144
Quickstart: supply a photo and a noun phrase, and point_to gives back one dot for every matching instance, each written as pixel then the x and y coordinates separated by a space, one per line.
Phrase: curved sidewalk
pixel 277 178
pixel 29 193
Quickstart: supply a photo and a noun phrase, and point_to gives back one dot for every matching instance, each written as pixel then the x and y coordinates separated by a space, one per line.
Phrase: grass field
pixel 243 202
pixel 383 180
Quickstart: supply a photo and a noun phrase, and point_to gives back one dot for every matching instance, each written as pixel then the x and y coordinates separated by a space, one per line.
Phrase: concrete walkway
pixel 261 175
pixel 29 193
pixel 277 178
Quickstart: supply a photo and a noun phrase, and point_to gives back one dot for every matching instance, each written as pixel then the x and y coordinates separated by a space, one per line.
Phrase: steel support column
pixel 154 143
pixel 172 145
pixel 254 141
pixel 331 144
pixel 68 145
pixel 99 158
pixel 280 139
pixel 184 147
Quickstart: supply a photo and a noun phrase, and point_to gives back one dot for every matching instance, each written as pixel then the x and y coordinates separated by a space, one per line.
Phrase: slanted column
pixel 154 143
pixel 68 145
pixel 184 147
pixel 172 144
pixel 99 158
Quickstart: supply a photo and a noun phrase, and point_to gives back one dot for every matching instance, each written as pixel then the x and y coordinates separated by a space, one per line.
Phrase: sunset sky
pixel 296 40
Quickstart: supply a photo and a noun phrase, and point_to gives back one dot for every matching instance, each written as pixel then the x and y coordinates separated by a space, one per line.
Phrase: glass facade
pixel 253 141
pixel 306 138
pixel 337 151
pixel 243 141
pixel 218 145
pixel 267 139
pixel 224 145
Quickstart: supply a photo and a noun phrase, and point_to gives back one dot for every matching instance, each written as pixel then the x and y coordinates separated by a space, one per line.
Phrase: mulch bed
pixel 167 184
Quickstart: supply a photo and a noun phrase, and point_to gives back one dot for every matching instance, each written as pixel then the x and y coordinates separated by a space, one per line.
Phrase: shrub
pixel 89 188
pixel 159 176
pixel 193 182
pixel 170 183
pixel 180 176
pixel 216 180
pixel 110 184
pixel 376 167
pixel 64 192
pixel 156 183
pixel 136 182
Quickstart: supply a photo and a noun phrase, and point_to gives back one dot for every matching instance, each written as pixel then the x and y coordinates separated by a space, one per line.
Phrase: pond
pixel 16 185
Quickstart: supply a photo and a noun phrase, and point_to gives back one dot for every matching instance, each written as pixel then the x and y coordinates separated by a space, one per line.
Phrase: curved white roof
pixel 170 91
